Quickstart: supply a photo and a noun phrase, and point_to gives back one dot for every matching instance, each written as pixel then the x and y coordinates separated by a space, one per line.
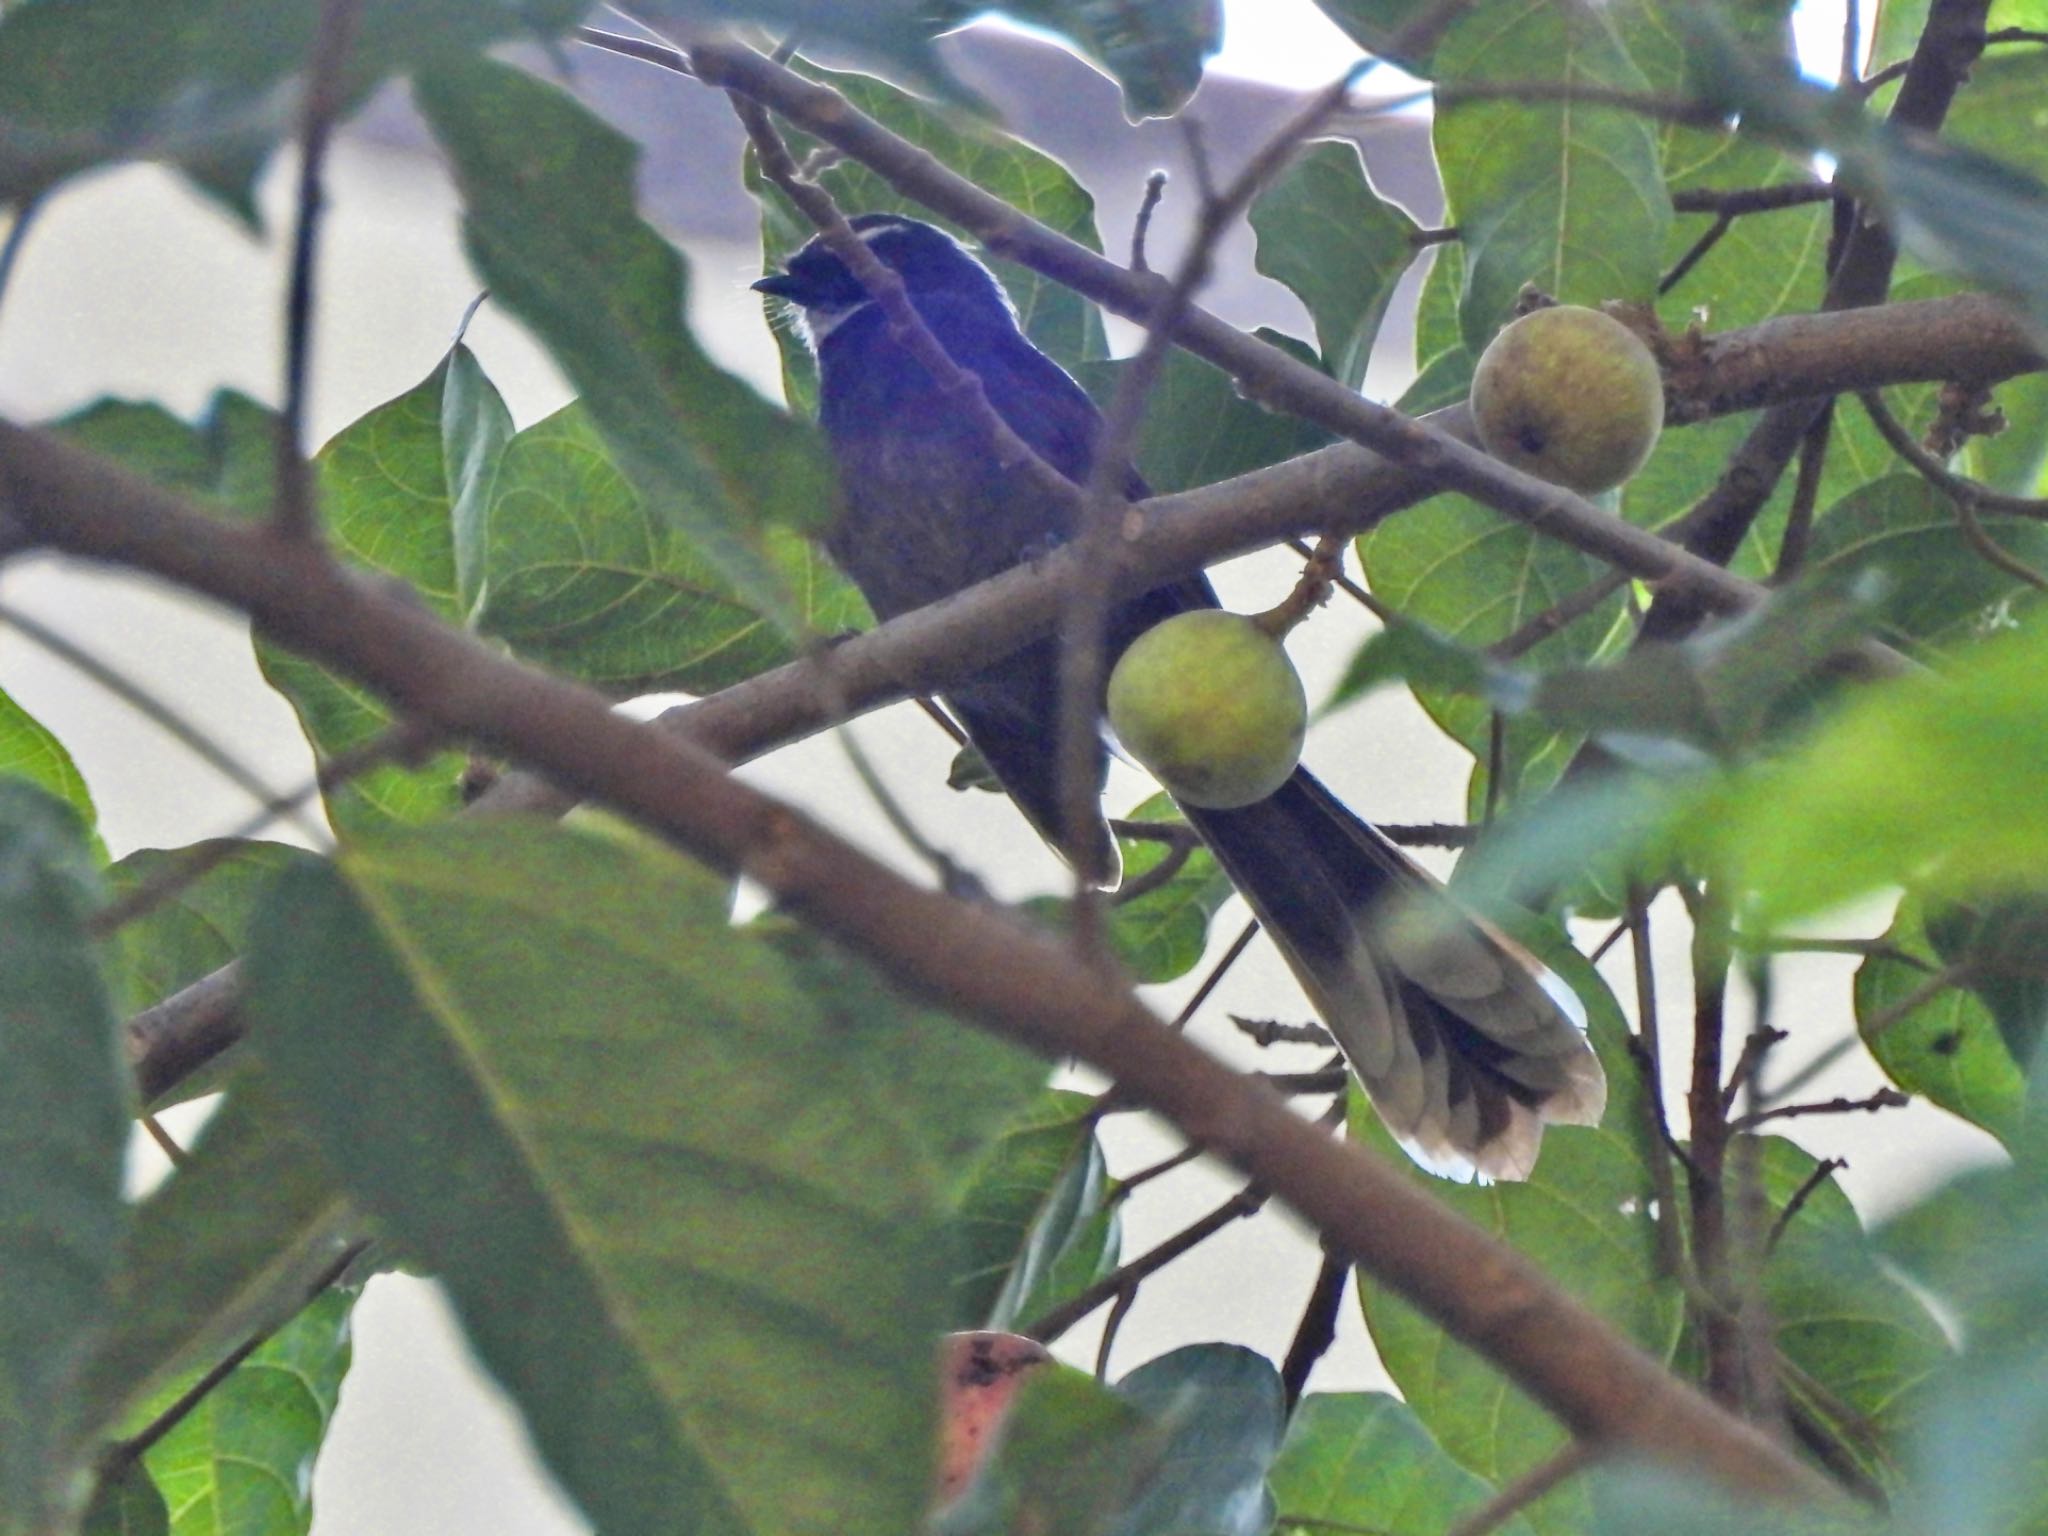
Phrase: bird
pixel 1465 1044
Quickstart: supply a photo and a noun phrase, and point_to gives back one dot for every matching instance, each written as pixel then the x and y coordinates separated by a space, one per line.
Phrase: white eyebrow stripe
pixel 875 232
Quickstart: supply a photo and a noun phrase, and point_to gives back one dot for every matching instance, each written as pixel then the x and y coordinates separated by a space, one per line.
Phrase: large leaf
pixel 1222 1410
pixel 207 84
pixel 1058 321
pixel 63 1138
pixel 1861 1348
pixel 1155 48
pixel 28 750
pixel 551 224
pixel 1939 590
pixel 580 575
pixel 228 456
pixel 1341 248
pixel 228 1247
pixel 1946 1049
pixel 1035 1222
pixel 1561 195
pixel 241 1463
pixel 1847 811
pixel 1585 1216
pixel 1362 1461
pixel 689 1203
pixel 385 504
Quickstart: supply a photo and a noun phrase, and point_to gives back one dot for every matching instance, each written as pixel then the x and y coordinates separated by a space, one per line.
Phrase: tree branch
pixel 974 960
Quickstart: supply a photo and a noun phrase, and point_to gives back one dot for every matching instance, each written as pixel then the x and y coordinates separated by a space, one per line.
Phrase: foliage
pixel 704 1192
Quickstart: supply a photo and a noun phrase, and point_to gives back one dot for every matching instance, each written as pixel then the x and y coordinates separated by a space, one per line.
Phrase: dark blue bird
pixel 1459 1038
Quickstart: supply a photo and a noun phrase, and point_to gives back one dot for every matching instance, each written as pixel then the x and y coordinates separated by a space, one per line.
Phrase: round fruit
pixel 1209 702
pixel 1570 395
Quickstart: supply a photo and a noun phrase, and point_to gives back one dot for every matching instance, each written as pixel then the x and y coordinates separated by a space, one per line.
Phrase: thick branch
pixel 972 959
pixel 1342 489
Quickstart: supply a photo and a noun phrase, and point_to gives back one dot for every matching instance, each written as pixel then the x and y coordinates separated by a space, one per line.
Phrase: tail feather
pixel 1465 1051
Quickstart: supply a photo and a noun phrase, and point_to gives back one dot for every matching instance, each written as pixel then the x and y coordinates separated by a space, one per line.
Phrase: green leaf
pixel 1162 934
pixel 1059 321
pixel 29 751
pixel 1154 48
pixel 128 1506
pixel 1848 811
pixel 241 1463
pixel 1341 248
pixel 1363 1461
pixel 580 575
pixel 1476 577
pixel 227 457
pixel 229 1246
pixel 206 84
pixel 64 1133
pixel 690 1205
pixel 196 929
pixel 1377 25
pixel 894 35
pixel 1584 1215
pixel 1947 1049
pixel 1404 651
pixel 1938 590
pixel 384 506
pixel 476 426
pixel 1568 198
pixel 1860 1349
pixel 1221 1410
pixel 552 226
pixel 1198 429
pixel 1954 208
pixel 1035 1222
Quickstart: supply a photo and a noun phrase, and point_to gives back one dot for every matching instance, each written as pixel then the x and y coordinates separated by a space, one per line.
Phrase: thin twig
pixel 1141 228
pixel 1317 1329
pixel 1738 201
pixel 1526 1490
pixel 1246 1202
pixel 1125 1188
pixel 1346 585
pixel 165 1142
pixel 1560 615
pixel 293 514
pixel 158 713
pixel 1870 1104
pixel 1806 483
pixel 1159 875
pixel 645 50
pixel 1266 1033
pixel 126 1453
pixel 1216 974
pixel 401 742
pixel 1809 1186
pixel 1749 1065
pixel 1695 253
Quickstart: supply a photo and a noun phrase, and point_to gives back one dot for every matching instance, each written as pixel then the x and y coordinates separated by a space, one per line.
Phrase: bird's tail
pixel 1465 1052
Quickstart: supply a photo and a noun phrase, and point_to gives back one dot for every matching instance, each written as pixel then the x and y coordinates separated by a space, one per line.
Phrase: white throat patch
pixel 821 323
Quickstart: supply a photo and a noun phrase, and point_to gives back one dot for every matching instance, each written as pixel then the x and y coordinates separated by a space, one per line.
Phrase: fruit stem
pixel 1318 577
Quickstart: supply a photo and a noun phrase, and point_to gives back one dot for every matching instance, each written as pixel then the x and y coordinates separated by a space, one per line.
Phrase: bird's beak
pixel 781 285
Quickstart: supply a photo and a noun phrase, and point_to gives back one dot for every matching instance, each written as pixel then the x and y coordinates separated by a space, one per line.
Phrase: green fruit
pixel 1211 705
pixel 1569 395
